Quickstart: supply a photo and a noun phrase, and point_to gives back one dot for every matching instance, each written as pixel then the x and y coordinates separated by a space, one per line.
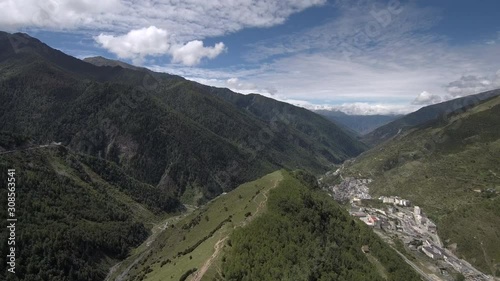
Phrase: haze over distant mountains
pixel 424 115
pixel 361 124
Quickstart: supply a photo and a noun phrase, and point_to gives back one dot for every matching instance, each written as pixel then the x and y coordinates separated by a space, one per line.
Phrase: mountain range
pixel 129 174
pixel 425 115
pixel 193 140
pixel 103 149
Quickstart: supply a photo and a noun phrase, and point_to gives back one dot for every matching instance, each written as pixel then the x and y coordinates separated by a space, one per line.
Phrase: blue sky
pixel 358 56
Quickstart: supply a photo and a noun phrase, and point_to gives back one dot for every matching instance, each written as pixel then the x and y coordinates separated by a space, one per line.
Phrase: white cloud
pixel 351 33
pixel 390 74
pixel 473 84
pixel 191 19
pixel 426 98
pixel 192 53
pixel 337 62
pixel 55 14
pixel 137 43
pixel 188 22
pixel 403 59
pixel 153 41
pixel 361 108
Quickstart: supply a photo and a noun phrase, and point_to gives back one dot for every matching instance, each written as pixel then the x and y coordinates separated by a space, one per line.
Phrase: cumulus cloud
pixel 426 98
pixel 137 43
pixel 473 84
pixel 191 53
pixel 153 41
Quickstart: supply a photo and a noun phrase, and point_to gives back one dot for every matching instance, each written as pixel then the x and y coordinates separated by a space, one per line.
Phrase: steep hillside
pixel 280 227
pixel 76 214
pixel 426 114
pixel 452 169
pixel 304 122
pixel 162 129
pixel 361 124
pixel 305 235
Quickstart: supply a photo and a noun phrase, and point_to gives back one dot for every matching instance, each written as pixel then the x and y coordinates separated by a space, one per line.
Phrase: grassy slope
pixel 438 167
pixel 305 235
pixel 246 198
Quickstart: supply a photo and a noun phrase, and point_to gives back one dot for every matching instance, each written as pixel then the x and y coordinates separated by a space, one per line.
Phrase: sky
pixel 357 56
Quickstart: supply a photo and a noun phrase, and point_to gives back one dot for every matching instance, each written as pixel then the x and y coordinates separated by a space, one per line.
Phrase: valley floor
pixel 120 270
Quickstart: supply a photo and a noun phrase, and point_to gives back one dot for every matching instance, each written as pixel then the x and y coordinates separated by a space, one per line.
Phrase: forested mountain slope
pixel 76 214
pixel 162 129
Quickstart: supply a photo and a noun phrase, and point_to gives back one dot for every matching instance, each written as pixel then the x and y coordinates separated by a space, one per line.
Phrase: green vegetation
pixel 451 168
pixel 73 222
pixel 155 199
pixel 190 241
pixel 305 235
pixel 9 141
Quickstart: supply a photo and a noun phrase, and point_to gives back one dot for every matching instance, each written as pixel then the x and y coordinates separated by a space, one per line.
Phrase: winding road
pixel 218 247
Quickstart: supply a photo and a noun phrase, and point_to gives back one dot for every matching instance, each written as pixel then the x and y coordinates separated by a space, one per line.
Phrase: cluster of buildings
pixel 395 200
pixel 350 189
pixel 379 220
pixel 423 221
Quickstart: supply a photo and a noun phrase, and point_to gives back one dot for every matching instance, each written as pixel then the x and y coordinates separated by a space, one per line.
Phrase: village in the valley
pixel 397 219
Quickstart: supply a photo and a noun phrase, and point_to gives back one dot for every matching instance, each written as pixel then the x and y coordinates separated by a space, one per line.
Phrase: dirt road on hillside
pixel 220 244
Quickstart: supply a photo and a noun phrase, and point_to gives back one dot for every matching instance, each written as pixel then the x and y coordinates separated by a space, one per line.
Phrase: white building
pixel 388 200
pixel 402 202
